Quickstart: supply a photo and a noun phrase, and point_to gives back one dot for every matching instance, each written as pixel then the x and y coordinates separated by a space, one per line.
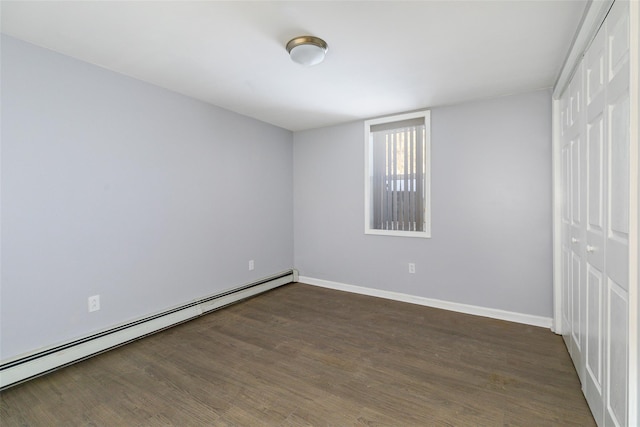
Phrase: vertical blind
pixel 398 176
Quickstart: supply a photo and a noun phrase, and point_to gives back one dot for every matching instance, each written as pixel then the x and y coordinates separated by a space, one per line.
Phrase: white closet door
pixel 593 383
pixel 565 214
pixel 595 165
pixel 575 234
pixel 617 142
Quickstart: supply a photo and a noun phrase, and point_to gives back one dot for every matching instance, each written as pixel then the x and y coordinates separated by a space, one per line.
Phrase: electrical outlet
pixel 251 265
pixel 94 303
pixel 412 268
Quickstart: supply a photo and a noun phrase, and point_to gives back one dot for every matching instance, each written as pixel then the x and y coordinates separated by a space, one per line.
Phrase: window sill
pixel 398 233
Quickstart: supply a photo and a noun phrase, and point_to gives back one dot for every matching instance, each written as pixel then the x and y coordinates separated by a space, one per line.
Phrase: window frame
pixel 368 164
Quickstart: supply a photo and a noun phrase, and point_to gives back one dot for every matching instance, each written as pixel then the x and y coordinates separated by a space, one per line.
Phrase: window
pixel 397 184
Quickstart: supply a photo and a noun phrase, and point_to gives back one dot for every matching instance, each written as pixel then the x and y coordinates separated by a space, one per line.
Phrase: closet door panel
pixel 567 129
pixel 594 344
pixel 617 142
pixel 577 295
pixel 566 295
pixel 593 385
pixel 617 373
pixel 577 220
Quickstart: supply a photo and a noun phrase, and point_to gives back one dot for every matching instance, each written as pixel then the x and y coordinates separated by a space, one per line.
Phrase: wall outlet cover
pixel 94 303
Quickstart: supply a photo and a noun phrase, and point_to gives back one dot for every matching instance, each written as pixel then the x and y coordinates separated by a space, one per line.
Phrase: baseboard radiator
pixel 39 363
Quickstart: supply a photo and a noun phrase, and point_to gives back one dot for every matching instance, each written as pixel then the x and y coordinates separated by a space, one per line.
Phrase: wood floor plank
pixel 306 356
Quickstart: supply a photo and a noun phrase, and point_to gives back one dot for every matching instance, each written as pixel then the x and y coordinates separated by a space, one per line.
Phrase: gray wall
pixel 116 187
pixel 491 209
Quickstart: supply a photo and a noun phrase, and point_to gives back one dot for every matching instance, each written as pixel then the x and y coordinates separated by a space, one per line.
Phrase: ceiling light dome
pixel 307 50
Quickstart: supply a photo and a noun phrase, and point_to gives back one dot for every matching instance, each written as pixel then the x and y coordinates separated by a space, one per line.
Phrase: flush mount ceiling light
pixel 307 50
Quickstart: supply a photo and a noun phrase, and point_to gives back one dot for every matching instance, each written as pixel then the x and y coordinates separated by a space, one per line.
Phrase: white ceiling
pixel 384 57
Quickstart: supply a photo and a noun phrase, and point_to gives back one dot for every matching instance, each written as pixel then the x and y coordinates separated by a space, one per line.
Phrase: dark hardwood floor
pixel 302 355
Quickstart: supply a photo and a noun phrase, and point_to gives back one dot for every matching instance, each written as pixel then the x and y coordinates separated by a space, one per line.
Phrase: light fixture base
pixel 307 50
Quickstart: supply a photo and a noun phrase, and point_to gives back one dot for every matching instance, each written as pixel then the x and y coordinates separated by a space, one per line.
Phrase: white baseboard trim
pixel 527 319
pixel 40 362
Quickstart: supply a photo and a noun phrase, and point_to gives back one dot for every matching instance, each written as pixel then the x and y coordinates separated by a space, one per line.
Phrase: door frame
pixel 634 217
